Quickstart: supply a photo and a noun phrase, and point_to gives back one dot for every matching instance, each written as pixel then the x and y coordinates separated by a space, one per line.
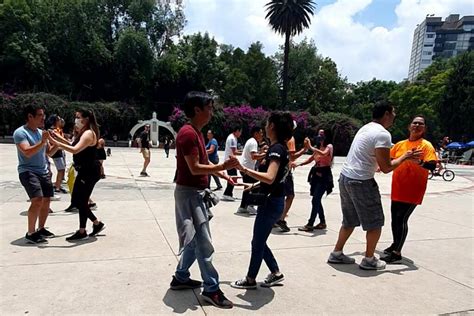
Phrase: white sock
pixel 337 253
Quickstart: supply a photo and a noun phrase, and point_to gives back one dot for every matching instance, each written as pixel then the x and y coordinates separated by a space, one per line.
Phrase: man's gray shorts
pixel 360 203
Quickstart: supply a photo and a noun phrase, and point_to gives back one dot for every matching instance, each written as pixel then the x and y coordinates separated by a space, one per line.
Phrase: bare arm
pixel 296 154
pixel 257 156
pixel 29 151
pixel 87 139
pixel 386 165
pixel 307 161
pixel 265 177
pixel 211 149
pixel 197 168
pixel 236 152
pixel 51 149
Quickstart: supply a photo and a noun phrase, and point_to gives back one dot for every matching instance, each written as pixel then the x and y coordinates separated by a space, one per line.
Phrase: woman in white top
pixel 320 179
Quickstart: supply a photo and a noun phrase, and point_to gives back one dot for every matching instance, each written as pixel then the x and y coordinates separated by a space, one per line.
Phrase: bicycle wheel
pixel 448 175
pixel 430 175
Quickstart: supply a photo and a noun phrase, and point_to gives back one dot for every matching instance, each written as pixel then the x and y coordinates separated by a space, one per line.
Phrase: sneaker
pixel 306 228
pixel 283 226
pixel 392 258
pixel 227 198
pixel 242 210
pixel 252 210
pixel 320 226
pixel 144 174
pixel 60 190
pixel 340 258
pixel 35 238
pixel 272 279
pixel 97 229
pixel 190 284
pixel 217 299
pixel 244 283
pixel 372 264
pixel 389 250
pixel 43 232
pixel 71 209
pixel 50 211
pixel 218 188
pixel 78 236
pixel 56 197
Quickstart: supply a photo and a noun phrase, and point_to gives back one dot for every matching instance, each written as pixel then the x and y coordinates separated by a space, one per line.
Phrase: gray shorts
pixel 36 185
pixel 60 163
pixel 361 203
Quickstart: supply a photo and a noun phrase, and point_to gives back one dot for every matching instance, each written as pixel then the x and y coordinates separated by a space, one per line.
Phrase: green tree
pixel 289 18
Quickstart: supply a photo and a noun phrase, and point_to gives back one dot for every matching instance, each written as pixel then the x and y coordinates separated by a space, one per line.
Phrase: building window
pixel 430 35
pixel 426 61
pixel 428 45
pixel 427 53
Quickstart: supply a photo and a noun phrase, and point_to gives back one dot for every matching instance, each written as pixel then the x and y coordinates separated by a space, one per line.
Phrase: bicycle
pixel 446 174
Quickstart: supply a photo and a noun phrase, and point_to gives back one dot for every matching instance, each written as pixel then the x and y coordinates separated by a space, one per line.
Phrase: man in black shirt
pixel 145 149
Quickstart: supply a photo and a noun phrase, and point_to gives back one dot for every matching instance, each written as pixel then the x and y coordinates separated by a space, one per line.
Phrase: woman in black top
pixel 84 150
pixel 271 174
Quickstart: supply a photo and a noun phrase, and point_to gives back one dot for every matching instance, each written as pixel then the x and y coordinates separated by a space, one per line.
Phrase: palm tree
pixel 289 18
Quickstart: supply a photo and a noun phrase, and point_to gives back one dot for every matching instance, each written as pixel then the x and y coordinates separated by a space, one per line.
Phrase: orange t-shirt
pixel 409 179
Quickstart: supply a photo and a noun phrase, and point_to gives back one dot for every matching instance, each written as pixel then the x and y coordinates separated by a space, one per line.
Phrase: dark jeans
pixel 216 178
pixel 230 188
pixel 317 207
pixel 83 186
pixel 400 213
pixel 267 216
pixel 245 194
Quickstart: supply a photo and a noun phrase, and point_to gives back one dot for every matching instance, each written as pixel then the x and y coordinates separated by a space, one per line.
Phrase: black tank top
pixel 86 159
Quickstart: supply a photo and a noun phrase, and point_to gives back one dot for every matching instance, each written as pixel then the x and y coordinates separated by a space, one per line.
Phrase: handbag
pixel 257 198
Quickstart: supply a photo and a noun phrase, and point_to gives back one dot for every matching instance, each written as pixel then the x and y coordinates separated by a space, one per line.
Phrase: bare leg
pixel 44 211
pixel 372 237
pixel 145 164
pixel 33 212
pixel 344 234
pixel 59 178
pixel 288 203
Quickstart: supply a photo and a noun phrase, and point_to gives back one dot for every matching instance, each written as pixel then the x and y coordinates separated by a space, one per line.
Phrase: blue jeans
pixel 317 206
pixel 199 248
pixel 266 216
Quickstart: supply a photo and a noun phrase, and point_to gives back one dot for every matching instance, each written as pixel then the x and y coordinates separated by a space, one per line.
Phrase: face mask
pixel 78 123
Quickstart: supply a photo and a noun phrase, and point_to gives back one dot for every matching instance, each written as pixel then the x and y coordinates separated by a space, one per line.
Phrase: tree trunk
pixel 284 94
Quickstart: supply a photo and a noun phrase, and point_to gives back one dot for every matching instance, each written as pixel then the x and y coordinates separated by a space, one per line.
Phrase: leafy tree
pixel 289 18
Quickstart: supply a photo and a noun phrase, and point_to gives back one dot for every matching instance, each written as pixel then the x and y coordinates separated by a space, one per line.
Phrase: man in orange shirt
pixel 409 182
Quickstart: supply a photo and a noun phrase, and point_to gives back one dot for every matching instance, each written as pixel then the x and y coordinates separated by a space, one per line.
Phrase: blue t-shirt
pixel 212 156
pixel 37 163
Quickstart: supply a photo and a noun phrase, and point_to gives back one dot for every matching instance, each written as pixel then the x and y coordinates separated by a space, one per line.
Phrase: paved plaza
pixel 127 270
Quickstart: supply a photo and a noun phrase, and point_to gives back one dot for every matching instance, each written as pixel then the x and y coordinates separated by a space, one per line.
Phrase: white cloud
pixel 361 51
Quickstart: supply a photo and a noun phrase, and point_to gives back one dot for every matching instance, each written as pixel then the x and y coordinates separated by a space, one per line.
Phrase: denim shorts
pixel 36 185
pixel 361 203
pixel 60 163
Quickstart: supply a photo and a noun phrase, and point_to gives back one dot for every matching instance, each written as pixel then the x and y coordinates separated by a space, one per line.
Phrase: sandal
pixel 320 226
pixel 306 228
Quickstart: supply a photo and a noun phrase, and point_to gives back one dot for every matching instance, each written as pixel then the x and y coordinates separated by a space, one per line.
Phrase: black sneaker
pixel 144 174
pixel 45 233
pixel 244 284
pixel 190 284
pixel 97 229
pixel 217 299
pixel 392 258
pixel 92 206
pixel 35 238
pixel 71 209
pixel 78 236
pixel 389 250
pixel 283 226
pixel 272 279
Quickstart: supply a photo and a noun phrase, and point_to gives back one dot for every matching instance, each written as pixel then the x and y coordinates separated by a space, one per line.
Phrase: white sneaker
pixel 227 198
pixel 372 264
pixel 251 210
pixel 56 198
pixel 242 210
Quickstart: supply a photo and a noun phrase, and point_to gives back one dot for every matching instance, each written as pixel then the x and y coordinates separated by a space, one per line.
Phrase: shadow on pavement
pixel 179 302
pixel 257 298
pixel 21 242
pixel 405 266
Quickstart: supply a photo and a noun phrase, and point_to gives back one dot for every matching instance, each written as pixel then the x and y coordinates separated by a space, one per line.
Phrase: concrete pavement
pixel 128 269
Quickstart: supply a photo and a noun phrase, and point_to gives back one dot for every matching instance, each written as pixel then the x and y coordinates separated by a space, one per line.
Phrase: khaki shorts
pixel 146 153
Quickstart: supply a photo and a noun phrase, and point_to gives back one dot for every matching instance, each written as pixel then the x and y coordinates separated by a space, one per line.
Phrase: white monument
pixel 154 129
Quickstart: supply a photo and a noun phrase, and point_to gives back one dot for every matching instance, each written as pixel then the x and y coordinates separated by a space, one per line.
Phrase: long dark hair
pixel 283 125
pixel 89 114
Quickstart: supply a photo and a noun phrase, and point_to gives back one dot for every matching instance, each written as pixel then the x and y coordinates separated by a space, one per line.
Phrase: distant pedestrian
pixel 54 123
pixel 115 140
pixel 145 149
pixel 211 148
pixel 166 146
pixel 231 150
pixel 101 156
pixel 32 146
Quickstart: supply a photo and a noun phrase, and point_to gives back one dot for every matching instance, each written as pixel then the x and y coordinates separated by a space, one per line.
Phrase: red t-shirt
pixel 190 142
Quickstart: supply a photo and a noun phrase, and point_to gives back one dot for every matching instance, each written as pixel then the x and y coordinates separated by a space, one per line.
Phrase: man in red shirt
pixel 192 214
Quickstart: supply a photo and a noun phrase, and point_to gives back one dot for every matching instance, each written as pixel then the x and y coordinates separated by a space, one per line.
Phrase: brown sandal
pixel 306 228
pixel 320 226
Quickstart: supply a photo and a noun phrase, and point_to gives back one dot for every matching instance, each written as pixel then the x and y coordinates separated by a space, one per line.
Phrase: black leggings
pixel 400 213
pixel 83 186
pixel 230 188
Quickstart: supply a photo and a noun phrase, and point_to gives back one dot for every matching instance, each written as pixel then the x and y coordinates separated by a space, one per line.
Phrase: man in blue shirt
pixel 32 146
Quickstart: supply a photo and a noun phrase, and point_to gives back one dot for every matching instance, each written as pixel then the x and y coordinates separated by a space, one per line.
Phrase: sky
pixel 366 38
